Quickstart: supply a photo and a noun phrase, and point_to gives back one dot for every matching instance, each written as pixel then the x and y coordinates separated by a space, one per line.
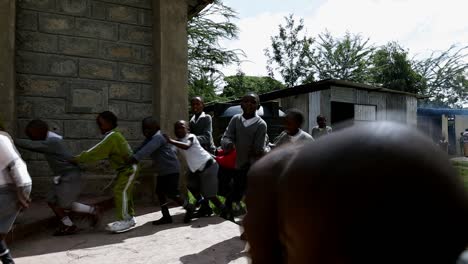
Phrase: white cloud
pixel 421 26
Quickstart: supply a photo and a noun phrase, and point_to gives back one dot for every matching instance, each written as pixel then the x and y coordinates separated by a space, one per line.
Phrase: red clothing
pixel 226 160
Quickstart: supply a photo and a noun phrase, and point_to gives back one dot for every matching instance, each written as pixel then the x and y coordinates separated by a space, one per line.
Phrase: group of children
pixel 245 136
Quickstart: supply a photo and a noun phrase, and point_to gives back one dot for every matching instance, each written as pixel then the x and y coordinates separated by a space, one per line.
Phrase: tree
pixel 205 54
pixel 391 68
pixel 239 84
pixel 445 74
pixel 289 53
pixel 347 58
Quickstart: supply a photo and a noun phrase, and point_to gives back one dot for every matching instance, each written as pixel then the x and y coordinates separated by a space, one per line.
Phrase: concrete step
pixel 39 217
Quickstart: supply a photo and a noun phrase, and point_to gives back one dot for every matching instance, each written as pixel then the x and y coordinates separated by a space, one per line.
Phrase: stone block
pixel 35 41
pixel 124 91
pixel 78 129
pixel 98 10
pixel 46 64
pixel 73 7
pixel 87 96
pixel 136 34
pixel 34 85
pixel 123 14
pixel 40 107
pixel 135 73
pixel 119 108
pixel 138 111
pixel 145 17
pixel 57 24
pixel 147 55
pixel 131 130
pixel 26 20
pixel 120 51
pixel 44 5
pixel 98 69
pixel 134 3
pixel 147 93
pixel 78 46
pixel 96 29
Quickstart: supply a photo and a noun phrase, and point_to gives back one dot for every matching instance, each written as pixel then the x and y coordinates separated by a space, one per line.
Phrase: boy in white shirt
pixel 203 169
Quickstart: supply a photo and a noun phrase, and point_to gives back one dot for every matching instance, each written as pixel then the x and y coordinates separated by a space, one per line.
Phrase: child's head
pixel 250 103
pixel 181 129
pixel 293 121
pixel 150 126
pixel 197 104
pixel 106 121
pixel 321 121
pixel 37 129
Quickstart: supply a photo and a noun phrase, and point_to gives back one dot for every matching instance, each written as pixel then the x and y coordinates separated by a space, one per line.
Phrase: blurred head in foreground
pixel 378 193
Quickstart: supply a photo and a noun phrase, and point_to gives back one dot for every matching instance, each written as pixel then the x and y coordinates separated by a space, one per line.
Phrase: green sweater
pixel 113 147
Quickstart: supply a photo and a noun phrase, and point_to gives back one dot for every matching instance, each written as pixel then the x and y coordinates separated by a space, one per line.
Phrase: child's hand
pixel 23 198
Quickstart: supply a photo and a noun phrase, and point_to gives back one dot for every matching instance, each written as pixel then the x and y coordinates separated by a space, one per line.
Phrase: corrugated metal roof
pixel 441 111
pixel 196 6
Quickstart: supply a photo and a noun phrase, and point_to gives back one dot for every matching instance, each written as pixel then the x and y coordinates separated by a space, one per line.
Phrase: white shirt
pixel 196 156
pixel 9 154
pixel 196 120
pixel 251 121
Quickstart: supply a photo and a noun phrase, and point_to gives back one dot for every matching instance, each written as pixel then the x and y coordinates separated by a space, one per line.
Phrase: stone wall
pixel 76 58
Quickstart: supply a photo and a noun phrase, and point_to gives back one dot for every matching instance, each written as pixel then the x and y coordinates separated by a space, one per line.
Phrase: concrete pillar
pixel 170 75
pixel 7 65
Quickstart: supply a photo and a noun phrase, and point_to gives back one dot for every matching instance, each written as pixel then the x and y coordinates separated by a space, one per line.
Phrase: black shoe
pixel 64 230
pixel 7 259
pixel 227 214
pixel 163 220
pixel 96 217
pixel 204 211
pixel 189 214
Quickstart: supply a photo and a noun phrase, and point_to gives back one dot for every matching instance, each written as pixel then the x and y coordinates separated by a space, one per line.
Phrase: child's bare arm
pixel 179 144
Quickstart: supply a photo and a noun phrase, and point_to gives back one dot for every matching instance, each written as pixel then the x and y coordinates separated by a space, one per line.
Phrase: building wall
pixel 300 102
pixel 461 123
pixel 76 58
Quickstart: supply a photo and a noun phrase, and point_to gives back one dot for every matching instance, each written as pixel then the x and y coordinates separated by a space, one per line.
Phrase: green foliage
pixel 391 68
pixel 205 54
pixel 239 84
pixel 346 58
pixel 289 53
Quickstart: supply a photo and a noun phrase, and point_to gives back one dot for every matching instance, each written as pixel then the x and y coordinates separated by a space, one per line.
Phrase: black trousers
pixel 239 187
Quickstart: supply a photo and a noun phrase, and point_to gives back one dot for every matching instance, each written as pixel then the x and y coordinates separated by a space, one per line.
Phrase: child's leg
pixel 123 193
pixel 161 187
pixel 5 256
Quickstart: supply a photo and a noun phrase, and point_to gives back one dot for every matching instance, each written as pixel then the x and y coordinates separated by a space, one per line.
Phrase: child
pixel 167 166
pixel 115 148
pixel 66 185
pixel 201 125
pixel 321 129
pixel 246 133
pixel 203 168
pixel 15 187
pixel 293 132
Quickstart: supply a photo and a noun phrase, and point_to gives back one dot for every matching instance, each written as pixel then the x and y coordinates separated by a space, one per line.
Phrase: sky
pixel 421 26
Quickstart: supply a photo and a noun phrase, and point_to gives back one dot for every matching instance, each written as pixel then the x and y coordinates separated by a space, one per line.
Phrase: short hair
pixel 320 117
pixel 38 124
pixel 150 121
pixel 198 97
pixel 110 117
pixel 297 115
pixel 252 94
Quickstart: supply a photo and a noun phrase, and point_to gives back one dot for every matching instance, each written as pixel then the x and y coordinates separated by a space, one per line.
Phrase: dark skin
pixel 304 208
pixel 321 122
pixel 197 105
pixel 291 125
pixel 181 129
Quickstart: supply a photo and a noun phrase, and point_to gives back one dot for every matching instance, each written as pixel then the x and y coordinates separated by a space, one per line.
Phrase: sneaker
pixel 121 226
pixel 64 230
pixel 163 220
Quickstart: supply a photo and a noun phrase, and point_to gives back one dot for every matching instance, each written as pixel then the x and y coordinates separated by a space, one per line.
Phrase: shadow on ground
pixel 221 253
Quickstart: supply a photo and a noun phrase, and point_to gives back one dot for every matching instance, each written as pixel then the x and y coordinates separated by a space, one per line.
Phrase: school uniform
pixel 116 149
pixel 300 137
pixel 13 174
pixel 203 168
pixel 202 128
pixel 248 136
pixel 318 132
pixel 66 178
pixel 165 163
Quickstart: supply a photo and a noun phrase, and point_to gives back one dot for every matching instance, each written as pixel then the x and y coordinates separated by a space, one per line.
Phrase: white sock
pixel 82 208
pixel 67 221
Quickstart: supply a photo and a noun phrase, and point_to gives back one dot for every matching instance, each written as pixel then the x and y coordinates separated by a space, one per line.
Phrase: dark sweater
pixel 203 129
pixel 247 140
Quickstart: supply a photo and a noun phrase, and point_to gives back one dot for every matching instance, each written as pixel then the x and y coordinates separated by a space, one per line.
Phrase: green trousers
pixel 123 193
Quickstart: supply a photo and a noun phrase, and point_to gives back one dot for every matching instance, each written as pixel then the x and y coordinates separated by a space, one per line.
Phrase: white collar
pixel 193 119
pixel 250 121
pixel 51 134
pixel 294 138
